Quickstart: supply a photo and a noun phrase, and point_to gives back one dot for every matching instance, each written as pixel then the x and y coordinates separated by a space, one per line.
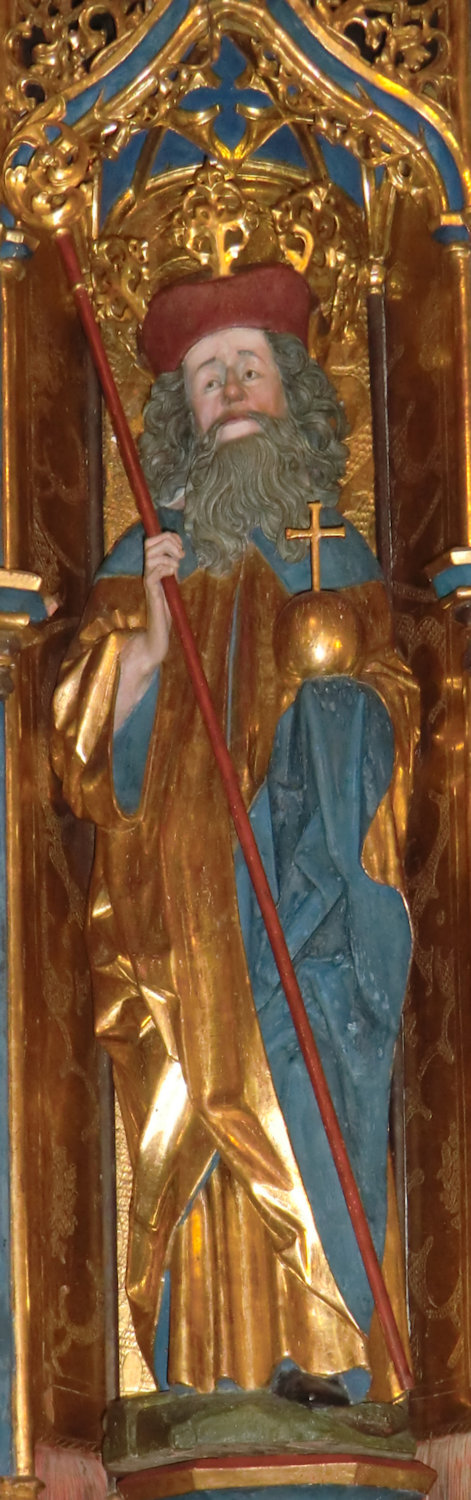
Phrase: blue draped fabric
pixel 349 939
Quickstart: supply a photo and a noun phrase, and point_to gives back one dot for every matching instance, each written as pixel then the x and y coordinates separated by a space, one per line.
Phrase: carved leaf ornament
pixel 54 164
pixel 55 43
pixel 405 41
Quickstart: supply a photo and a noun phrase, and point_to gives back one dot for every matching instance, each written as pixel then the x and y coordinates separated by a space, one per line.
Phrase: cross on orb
pixel 314 536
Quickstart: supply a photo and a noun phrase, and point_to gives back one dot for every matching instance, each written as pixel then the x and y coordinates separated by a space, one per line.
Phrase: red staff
pixel 241 822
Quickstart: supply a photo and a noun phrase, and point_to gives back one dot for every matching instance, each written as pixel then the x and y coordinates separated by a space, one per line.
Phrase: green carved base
pixel 156 1429
pixel 255 1444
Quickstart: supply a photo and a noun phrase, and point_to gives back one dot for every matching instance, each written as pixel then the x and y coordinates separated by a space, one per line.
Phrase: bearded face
pixel 262 480
pixel 259 480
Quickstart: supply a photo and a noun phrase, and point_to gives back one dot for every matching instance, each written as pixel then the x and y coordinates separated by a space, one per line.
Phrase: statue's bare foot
pixel 311 1390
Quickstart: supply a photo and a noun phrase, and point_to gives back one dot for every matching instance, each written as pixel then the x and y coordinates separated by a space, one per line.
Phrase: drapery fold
pixel 174 998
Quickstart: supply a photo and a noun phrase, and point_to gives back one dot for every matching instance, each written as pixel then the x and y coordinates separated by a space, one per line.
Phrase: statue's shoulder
pixel 344 561
pixel 349 560
pixel 126 557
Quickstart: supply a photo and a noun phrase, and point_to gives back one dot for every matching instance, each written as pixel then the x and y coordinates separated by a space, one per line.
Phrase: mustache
pixel 272 427
pixel 235 416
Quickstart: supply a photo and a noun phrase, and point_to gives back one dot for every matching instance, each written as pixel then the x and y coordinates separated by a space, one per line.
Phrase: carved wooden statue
pixel 242 1262
pixel 222 190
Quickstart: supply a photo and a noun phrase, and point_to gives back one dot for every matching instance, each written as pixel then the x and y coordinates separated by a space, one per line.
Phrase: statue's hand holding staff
pixel 146 649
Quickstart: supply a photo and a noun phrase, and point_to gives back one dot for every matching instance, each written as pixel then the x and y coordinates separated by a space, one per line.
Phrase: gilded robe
pixel 224 1218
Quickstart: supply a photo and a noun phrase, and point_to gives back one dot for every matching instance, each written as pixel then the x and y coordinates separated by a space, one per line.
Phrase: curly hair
pixel 317 411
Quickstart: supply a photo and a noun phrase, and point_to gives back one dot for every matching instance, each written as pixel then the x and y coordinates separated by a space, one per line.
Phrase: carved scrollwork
pixel 312 237
pixel 54 43
pixel 120 275
pixel 355 125
pixel 49 189
pixel 219 219
pixel 281 80
pixel 216 220
pixel 186 95
pixel 212 224
pixel 110 125
pixel 405 40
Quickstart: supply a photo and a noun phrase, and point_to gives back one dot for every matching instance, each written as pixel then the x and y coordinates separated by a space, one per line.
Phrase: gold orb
pixel 318 634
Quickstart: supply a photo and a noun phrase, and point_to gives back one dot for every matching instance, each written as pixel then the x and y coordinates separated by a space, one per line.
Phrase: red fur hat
pixel 274 298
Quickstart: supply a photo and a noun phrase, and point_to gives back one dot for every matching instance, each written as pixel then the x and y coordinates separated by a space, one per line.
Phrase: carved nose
pixel 233 388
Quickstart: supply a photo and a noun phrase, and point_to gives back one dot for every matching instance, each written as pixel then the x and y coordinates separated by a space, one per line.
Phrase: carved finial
pixel 48 191
pixel 216 220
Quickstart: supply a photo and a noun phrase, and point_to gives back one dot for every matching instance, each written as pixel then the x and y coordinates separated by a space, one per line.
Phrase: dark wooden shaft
pixel 93 397
pixel 376 312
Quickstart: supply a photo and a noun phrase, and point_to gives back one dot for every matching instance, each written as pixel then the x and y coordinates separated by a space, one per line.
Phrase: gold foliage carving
pixel 120 270
pixel 406 41
pixel 54 43
pixel 222 217
pixel 153 105
pixel 319 241
pixel 52 46
pixel 50 190
pixel 296 95
pixel 215 220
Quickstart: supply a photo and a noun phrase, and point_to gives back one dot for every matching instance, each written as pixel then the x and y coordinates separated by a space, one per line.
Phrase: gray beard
pixel 260 480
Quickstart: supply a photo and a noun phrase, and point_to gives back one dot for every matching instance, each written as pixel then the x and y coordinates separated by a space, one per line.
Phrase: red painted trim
pixel 283 1461
pixel 242 825
pixel 143 1482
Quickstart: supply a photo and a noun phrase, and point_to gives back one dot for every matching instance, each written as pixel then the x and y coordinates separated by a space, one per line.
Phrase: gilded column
pixel 458 257
pixel 16 1455
pixel 460 41
pixel 379 201
pixel 451 572
pixel 376 312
